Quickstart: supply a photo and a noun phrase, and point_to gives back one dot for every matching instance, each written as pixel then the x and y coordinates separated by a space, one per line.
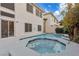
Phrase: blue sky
pixel 52 7
pixel 55 8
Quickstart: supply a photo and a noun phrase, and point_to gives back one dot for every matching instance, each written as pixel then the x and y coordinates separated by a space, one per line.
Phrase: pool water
pixel 50 36
pixel 43 44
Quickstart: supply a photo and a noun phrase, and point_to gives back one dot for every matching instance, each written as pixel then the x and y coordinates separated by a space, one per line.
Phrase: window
pixel 4 29
pixel 8 5
pixel 39 27
pixel 28 27
pixel 29 8
pixel 7 14
pixel 11 28
pixel 7 28
pixel 38 13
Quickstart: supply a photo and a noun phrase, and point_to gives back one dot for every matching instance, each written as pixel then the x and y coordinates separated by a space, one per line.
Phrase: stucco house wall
pixel 50 23
pixel 22 16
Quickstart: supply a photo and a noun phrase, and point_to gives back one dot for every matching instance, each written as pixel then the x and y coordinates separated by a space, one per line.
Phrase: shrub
pixel 59 30
pixel 65 30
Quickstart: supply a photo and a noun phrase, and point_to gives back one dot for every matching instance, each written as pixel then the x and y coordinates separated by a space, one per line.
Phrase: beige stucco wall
pixel 0 28
pixel 22 16
pixel 50 24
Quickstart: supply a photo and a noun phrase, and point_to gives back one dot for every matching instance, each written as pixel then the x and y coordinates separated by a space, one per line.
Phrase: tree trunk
pixel 70 33
pixel 75 33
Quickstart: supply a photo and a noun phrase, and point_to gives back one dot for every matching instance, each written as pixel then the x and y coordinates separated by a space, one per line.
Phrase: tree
pixel 71 21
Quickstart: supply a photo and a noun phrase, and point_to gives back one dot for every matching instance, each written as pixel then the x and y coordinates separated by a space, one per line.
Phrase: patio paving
pixel 17 47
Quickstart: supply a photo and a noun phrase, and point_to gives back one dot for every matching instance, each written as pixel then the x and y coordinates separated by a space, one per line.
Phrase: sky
pixel 49 6
pixel 55 8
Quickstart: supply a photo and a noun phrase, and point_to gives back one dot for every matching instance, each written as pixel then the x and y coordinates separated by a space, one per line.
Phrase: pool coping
pixel 34 36
pixel 31 36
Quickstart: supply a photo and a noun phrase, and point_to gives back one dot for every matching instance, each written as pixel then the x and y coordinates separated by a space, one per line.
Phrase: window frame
pixel 28 27
pixel 29 8
pixel 39 28
pixel 38 13
pixel 11 28
pixel 8 6
pixel 7 14
pixel 6 28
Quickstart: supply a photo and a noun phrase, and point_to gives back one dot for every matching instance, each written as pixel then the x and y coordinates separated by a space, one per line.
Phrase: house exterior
pixel 20 20
pixel 24 20
pixel 51 23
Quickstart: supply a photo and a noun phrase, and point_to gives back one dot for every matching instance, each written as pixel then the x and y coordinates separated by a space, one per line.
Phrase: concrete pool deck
pixel 16 47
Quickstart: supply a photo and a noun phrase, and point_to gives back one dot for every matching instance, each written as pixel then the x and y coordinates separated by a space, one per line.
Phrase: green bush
pixel 65 30
pixel 62 30
pixel 59 30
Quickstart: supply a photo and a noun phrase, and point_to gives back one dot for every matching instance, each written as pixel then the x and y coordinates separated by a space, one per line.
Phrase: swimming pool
pixel 45 44
pixel 50 36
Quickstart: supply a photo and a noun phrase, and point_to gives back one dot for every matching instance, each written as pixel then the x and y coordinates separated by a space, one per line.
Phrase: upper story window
pixel 29 8
pixel 7 14
pixel 38 13
pixel 8 5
